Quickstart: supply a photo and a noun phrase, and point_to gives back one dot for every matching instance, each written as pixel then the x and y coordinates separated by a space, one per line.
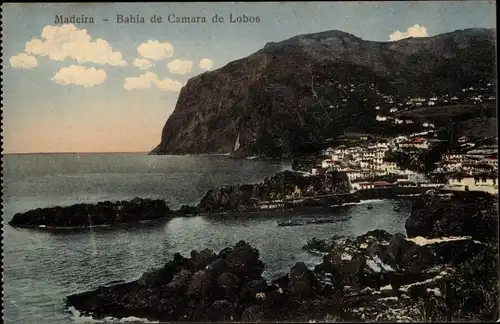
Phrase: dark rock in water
pixel 374 277
pixel 244 261
pixel 200 284
pixel 279 186
pixel 205 286
pixel 229 283
pixel 394 252
pixel 472 214
pixel 101 213
pixel 252 288
pixel 217 266
pixel 302 283
pixel 179 284
pixel 317 245
pixel 200 260
pixel 187 210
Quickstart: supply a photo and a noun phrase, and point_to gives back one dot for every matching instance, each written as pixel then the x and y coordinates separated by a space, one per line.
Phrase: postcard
pixel 249 162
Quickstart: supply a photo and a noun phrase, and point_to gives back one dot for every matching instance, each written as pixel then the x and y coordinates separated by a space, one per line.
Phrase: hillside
pixel 289 97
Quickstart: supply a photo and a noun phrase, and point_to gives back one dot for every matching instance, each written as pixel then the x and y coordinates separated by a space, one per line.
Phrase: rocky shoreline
pixel 376 276
pixel 102 214
pixel 230 199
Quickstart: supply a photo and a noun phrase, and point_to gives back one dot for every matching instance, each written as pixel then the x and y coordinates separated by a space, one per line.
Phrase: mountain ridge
pixel 289 96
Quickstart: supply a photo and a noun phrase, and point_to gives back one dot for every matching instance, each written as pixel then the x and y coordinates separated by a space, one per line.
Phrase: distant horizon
pixel 110 152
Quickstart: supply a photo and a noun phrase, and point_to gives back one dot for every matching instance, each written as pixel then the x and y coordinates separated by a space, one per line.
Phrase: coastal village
pixel 472 165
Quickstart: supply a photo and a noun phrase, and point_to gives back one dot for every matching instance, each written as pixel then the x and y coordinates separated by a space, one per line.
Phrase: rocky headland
pixel 279 187
pixel 104 213
pixel 239 198
pixel 377 276
pixel 463 213
pixel 290 97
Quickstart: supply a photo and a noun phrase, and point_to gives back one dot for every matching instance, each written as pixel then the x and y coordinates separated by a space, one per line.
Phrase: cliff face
pixel 290 96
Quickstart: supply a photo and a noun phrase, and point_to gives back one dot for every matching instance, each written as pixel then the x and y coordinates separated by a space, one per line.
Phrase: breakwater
pixel 388 192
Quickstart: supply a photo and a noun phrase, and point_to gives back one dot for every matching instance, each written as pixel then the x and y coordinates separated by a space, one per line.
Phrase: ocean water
pixel 42 268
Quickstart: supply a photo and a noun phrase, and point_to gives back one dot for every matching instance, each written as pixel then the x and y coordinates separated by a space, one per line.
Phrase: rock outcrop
pixel 290 97
pixel 473 214
pixel 385 277
pixel 377 276
pixel 101 213
pixel 240 198
pixel 227 286
pixel 278 187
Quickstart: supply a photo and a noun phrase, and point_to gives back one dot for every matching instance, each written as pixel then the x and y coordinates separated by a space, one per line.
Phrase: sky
pixel 110 87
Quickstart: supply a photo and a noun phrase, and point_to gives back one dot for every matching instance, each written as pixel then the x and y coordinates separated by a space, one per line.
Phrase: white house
pixel 431 103
pixel 352 174
pixel 409 121
pixel 388 167
pixel 366 163
pixel 398 121
pixel 464 182
pixel 393 110
pixel 381 118
pixel 362 185
pixel 450 157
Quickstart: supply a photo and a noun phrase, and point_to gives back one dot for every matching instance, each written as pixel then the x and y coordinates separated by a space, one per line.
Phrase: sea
pixel 41 268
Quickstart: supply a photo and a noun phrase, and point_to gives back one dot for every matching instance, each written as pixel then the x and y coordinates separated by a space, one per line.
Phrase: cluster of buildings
pixel 366 162
pixel 389 106
pixel 474 170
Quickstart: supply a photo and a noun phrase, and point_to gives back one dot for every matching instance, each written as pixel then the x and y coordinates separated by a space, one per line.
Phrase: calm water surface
pixel 41 268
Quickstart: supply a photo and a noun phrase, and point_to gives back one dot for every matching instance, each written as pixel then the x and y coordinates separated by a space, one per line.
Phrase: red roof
pixel 347 170
pixel 381 183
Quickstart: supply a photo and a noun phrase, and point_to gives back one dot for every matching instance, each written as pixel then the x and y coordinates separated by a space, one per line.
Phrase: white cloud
pixel 155 50
pixel 23 61
pixel 206 64
pixel 412 31
pixel 169 85
pixel 180 66
pixel 79 75
pixel 67 41
pixel 143 81
pixel 148 79
pixel 142 64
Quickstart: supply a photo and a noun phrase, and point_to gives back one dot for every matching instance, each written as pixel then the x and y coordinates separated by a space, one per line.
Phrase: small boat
pixel 397 209
pixel 290 222
pixel 299 222
pixel 369 207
